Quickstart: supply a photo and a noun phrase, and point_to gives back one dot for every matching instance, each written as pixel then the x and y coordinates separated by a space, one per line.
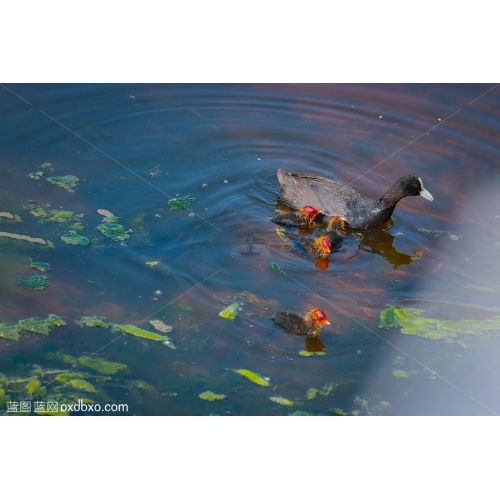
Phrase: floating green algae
pixel 400 374
pixel 324 391
pixel 338 412
pixel 281 401
pixel 10 332
pixel 113 218
pixel 253 377
pixel 300 413
pixel 311 393
pixel 32 385
pixel 328 389
pixel 36 175
pixel 59 217
pixel 411 322
pixel 308 354
pixel 92 322
pixel 275 266
pixel 41 266
pixel 72 238
pixel 138 332
pixel 36 282
pixel 211 396
pixel 181 202
pixel 102 366
pixel 82 385
pixel 67 182
pixel 116 232
pixel 77 227
pixel 230 312
pixel 65 377
pixel 42 326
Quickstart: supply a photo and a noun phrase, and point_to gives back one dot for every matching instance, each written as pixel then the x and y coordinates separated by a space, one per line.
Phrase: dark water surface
pixel 134 147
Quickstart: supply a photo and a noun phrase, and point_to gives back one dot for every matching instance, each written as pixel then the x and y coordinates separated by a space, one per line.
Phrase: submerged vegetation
pixel 99 365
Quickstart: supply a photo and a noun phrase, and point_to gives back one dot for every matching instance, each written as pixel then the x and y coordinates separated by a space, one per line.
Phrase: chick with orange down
pixel 308 326
pixel 303 218
pixel 317 247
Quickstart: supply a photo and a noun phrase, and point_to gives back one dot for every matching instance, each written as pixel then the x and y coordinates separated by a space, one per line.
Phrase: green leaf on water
pixel 181 202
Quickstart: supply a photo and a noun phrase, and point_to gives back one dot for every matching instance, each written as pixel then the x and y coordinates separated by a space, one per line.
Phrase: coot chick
pixel 310 325
pixel 332 198
pixel 336 225
pixel 317 247
pixel 303 217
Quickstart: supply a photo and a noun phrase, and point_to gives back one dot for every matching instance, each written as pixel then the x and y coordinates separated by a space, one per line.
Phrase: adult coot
pixel 332 198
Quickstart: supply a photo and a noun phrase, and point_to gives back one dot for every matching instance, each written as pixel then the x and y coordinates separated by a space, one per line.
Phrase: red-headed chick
pixel 309 326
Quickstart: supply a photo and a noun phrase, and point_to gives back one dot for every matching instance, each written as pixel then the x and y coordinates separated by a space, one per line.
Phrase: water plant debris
pixel 36 282
pixel 181 202
pixel 411 322
pixel 253 377
pixel 72 238
pixel 230 312
pixel 211 396
pixel 68 182
pixel 115 232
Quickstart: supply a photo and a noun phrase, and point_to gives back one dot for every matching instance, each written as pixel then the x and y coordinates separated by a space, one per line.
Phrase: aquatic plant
pixel 82 385
pixel 281 401
pixel 230 312
pixel 92 322
pixel 400 374
pixel 72 238
pixel 181 202
pixel 211 396
pixel 253 377
pixel 412 322
pixel 307 354
pixel 42 326
pixel 116 232
pixel 138 332
pixel 35 282
pixel 65 377
pixel 10 332
pixel 311 393
pixel 338 412
pixel 41 266
pixel 32 385
pixel 67 182
pixel 99 365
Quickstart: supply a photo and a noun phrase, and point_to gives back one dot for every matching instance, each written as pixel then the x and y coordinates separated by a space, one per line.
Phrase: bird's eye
pixel 417 186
